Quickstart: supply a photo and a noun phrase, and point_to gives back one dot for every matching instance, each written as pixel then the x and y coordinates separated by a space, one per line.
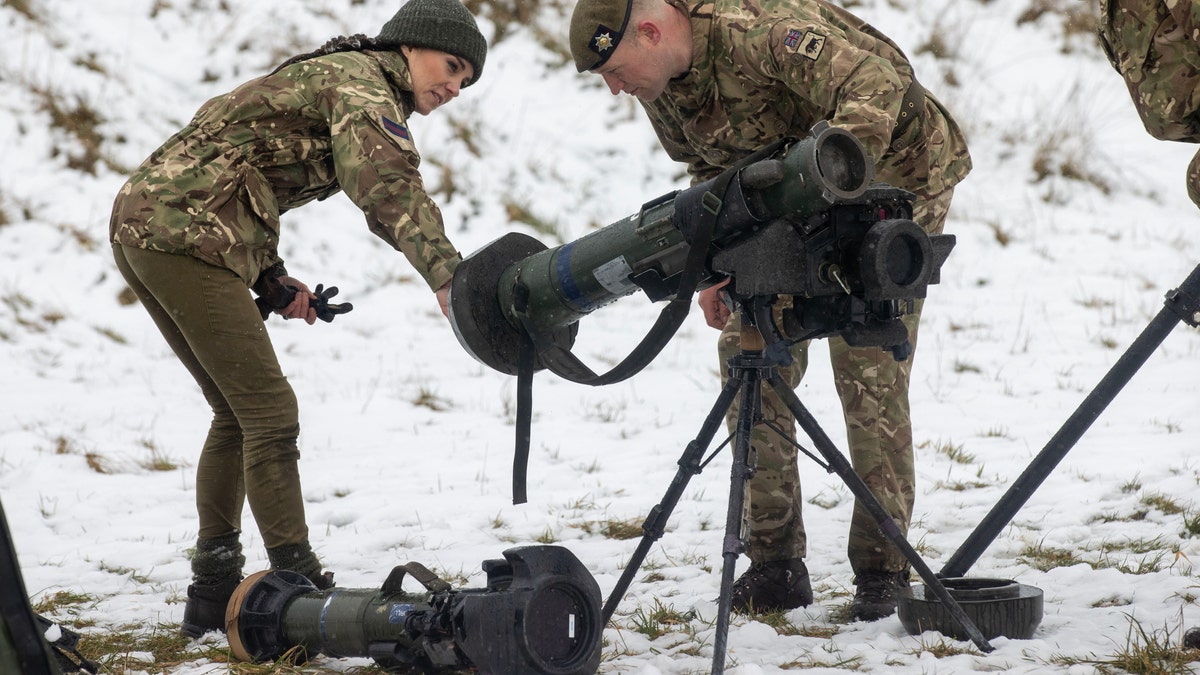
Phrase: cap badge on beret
pixel 603 40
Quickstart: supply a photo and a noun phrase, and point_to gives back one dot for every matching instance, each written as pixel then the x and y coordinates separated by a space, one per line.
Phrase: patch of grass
pixel 427 398
pixel 615 529
pixel 80 121
pixel 1001 235
pixel 61 602
pixel 97 463
pixel 783 626
pixel 1046 558
pixel 834 660
pixel 1144 653
pixel 111 335
pixel 158 461
pixel 23 8
pixel 1167 505
pixel 942 649
pixel 953 452
pixel 960 485
pixel 547 537
pixel 519 212
pixel 1112 601
pixel 1077 20
pixel 1112 517
pixel 657 621
pixel 827 500
pixel 1191 524
pixel 961 366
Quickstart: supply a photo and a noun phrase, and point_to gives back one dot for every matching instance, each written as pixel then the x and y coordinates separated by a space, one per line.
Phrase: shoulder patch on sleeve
pixel 395 128
pixel 806 43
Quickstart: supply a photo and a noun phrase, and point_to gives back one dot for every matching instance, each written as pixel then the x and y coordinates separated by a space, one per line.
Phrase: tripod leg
pixel 689 465
pixel 841 466
pixel 740 474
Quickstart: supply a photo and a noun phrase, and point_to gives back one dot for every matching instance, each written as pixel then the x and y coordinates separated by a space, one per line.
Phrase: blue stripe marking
pixel 566 282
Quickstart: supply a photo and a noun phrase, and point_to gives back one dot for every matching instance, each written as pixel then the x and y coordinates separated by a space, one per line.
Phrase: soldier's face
pixel 437 77
pixel 635 69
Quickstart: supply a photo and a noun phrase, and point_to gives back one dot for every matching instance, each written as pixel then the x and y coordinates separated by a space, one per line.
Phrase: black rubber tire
pixel 996 606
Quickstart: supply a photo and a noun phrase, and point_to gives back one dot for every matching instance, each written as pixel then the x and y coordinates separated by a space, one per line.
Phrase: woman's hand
pixel 301 305
pixel 443 298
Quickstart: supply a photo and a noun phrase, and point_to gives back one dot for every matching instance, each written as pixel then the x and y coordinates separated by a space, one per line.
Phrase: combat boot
pixel 875 595
pixel 772 586
pixel 205 609
pixel 216 572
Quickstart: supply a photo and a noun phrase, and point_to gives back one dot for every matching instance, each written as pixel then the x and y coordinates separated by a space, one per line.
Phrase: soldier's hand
pixel 716 312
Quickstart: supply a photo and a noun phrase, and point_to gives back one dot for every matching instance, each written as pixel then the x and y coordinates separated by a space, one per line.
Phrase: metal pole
pixel 887 525
pixel 1181 305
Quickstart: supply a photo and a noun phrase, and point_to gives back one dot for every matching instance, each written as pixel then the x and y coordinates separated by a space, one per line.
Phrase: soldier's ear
pixel 649 30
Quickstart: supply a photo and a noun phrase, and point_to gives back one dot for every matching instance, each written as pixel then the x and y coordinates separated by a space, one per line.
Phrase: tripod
pixel 747 371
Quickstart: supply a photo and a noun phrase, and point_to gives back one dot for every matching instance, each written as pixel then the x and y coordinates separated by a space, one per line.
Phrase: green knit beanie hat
pixel 444 25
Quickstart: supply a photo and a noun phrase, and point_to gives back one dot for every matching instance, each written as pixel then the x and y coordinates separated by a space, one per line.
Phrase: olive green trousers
pixel 209 319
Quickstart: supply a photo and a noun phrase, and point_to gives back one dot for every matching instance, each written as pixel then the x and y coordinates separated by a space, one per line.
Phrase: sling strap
pixel 536 347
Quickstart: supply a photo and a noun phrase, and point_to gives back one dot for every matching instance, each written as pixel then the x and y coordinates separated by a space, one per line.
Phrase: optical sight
pixel 538 615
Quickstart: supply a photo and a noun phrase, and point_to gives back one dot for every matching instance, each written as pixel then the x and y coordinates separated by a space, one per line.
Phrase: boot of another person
pixel 875 594
pixel 772 586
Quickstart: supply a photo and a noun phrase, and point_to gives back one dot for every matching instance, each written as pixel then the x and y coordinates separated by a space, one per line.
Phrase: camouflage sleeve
pixel 377 164
pixel 677 147
pixel 858 90
pixel 1187 14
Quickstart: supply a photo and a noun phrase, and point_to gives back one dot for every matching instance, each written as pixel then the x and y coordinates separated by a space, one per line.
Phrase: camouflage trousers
pixel 873 389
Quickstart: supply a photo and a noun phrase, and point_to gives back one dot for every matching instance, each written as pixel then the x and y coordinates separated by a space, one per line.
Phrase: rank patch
pixel 396 129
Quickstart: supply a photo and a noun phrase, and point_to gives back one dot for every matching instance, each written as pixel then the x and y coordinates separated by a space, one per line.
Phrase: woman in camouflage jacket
pixel 198 224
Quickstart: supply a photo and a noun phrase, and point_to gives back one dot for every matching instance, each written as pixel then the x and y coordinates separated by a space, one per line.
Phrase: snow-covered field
pixel 406 440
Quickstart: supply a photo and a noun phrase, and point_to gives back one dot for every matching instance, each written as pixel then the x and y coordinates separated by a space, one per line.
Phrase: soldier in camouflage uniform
pixel 198 225
pixel 1155 46
pixel 720 79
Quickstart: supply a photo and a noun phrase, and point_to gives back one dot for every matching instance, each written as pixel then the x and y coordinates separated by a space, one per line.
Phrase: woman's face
pixel 437 76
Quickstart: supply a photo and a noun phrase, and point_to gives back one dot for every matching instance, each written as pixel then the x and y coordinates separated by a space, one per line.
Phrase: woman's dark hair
pixel 343 43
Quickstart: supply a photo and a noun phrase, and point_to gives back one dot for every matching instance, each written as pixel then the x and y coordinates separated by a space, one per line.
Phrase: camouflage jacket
pixel 216 189
pixel 1155 46
pixel 764 69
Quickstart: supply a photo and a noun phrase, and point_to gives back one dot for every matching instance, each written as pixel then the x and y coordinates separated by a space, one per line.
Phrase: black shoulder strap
pixel 535 347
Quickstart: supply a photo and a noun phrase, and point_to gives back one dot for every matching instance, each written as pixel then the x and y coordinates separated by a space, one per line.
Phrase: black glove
pixel 274 295
pixel 325 310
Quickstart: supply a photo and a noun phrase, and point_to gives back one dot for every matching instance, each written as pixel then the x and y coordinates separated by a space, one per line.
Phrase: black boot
pixel 216 572
pixel 875 595
pixel 205 610
pixel 772 586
